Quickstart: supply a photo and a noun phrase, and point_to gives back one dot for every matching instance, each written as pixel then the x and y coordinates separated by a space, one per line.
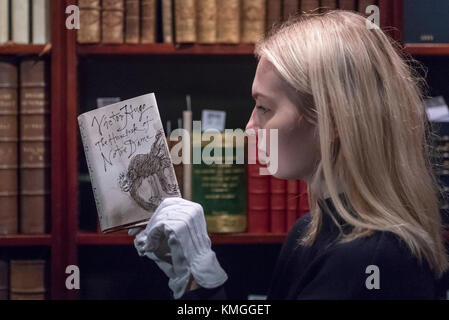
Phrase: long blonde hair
pixel 367 105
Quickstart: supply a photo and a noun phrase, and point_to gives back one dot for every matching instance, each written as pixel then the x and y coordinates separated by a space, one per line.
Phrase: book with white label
pixel 129 161
pixel 20 24
pixel 4 21
pixel 41 21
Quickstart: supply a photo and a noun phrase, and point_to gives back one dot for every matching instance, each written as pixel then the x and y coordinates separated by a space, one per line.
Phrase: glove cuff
pixel 207 271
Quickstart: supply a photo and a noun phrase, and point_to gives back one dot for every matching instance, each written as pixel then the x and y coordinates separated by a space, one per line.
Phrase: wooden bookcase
pixel 65 238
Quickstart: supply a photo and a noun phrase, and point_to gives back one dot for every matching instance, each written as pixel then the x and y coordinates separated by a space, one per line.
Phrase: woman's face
pixel 277 108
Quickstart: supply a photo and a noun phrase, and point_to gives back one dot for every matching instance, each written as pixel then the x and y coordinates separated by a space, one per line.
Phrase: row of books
pixel 25 21
pixel 23 280
pixel 24 145
pixel 274 205
pixel 192 21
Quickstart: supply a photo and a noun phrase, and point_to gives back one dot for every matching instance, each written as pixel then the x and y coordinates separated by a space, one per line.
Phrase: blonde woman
pixel 350 122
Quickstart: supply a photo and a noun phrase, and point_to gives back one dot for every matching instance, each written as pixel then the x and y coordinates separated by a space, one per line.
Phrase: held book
pixel 128 160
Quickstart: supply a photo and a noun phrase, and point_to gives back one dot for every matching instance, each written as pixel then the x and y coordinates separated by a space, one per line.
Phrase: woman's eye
pixel 263 109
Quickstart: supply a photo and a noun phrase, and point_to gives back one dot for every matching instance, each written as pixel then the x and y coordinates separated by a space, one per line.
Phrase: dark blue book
pixel 426 21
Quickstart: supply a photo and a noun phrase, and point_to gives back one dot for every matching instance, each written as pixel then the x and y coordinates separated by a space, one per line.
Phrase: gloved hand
pixel 176 239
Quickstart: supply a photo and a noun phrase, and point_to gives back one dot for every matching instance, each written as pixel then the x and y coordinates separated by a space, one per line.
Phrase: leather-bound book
pixel 327 5
pixel 228 21
pixel 27 280
pixel 34 146
pixel 292 203
pixel 113 4
pixel 148 21
pixel 363 4
pixel 258 200
pixel 177 167
pixel 258 196
pixel 206 15
pixel 4 279
pixel 132 21
pixel 185 21
pixel 167 21
pixel 278 205
pixel 112 21
pixel 290 8
pixel 90 21
pixel 8 146
pixel 253 20
pixel 347 5
pixel 310 5
pixel 303 200
pixel 274 13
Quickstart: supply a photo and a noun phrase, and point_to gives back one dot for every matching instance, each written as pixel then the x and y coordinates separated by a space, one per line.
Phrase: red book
pixel 303 203
pixel 292 203
pixel 278 205
pixel 258 198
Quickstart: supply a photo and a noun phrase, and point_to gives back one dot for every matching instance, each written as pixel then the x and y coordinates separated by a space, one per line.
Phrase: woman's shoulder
pixel 386 264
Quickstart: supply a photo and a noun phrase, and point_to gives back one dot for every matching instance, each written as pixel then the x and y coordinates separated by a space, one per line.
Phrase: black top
pixel 331 270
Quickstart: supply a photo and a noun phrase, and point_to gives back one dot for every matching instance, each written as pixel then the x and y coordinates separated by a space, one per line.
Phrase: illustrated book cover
pixel 128 160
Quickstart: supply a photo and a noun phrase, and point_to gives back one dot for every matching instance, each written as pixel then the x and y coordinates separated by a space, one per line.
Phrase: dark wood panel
pixel 122 238
pixel 165 48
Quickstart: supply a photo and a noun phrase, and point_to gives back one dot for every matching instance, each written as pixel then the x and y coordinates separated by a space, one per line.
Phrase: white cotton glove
pixel 176 239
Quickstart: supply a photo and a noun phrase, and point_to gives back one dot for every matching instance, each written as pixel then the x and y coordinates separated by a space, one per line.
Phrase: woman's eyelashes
pixel 262 109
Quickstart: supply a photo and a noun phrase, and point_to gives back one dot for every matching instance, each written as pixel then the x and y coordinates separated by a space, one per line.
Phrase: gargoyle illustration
pixel 151 166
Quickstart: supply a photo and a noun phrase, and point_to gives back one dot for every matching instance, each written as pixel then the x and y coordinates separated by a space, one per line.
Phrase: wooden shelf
pixel 165 48
pixel 25 240
pixel 92 238
pixel 428 48
pixel 24 49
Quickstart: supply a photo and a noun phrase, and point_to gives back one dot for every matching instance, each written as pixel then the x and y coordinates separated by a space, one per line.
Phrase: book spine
pixel 83 123
pixel 8 147
pixel 132 23
pixel 167 21
pixel 363 4
pixel 206 14
pixel 326 5
pixel 309 5
pixel 34 146
pixel 4 276
pixel 91 4
pixel 112 21
pixel 186 157
pixel 274 13
pixel 27 279
pixel 4 21
pixel 113 4
pixel 185 21
pixel 221 188
pixel 21 21
pixel 41 21
pixel 292 203
pixel 258 197
pixel 90 21
pixel 148 21
pixel 177 167
pixel 253 20
pixel 303 200
pixel 228 21
pixel 278 208
pixel 290 8
pixel 347 5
